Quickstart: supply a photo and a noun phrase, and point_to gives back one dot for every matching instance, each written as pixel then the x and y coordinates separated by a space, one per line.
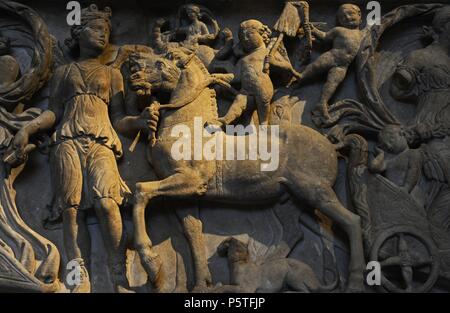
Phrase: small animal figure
pixel 273 275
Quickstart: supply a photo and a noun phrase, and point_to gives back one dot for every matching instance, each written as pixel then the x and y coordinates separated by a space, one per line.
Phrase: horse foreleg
pixel 150 260
pixel 186 183
pixel 193 230
pixel 320 195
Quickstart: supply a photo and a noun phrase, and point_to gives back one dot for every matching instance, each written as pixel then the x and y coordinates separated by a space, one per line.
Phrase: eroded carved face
pixel 391 139
pixel 441 21
pixel 151 73
pixel 349 16
pixel 234 249
pixel 193 13
pixel 4 46
pixel 95 35
pixel 250 36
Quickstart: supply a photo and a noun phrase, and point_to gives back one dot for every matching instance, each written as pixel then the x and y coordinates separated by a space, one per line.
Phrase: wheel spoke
pixel 397 249
pixel 423 262
pixel 394 260
pixel 402 244
pixel 407 273
pixel 418 260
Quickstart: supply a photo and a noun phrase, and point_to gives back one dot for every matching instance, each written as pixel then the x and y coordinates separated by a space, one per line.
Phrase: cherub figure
pixel 395 160
pixel 256 86
pixel 346 40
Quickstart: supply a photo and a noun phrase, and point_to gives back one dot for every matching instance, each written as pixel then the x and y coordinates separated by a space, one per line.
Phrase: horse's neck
pixel 192 79
pixel 200 99
pixel 203 106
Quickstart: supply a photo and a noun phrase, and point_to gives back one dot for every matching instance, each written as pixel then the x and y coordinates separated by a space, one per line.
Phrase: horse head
pixel 178 72
pixel 152 73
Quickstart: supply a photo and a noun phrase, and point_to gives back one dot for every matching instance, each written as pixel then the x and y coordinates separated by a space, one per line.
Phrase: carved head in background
pixel 427 69
pixel 392 139
pixel 9 67
pixel 192 12
pixel 441 23
pixel 94 32
pixel 253 34
pixel 234 249
pixel 349 16
pixel 5 45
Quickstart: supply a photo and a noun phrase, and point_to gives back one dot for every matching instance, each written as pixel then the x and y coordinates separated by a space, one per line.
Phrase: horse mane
pixel 192 65
pixel 196 60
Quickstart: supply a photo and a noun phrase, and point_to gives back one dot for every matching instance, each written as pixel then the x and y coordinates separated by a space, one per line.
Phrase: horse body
pixel 307 170
pixel 226 178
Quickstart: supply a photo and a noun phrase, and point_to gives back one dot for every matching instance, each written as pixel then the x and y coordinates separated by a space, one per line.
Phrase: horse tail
pixel 330 265
pixel 356 149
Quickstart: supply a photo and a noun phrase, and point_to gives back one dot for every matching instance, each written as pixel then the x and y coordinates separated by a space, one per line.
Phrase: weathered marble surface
pixel 279 228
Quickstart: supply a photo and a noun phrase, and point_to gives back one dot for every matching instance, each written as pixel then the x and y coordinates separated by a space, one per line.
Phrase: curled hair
pixel 193 7
pixel 265 33
pixel 88 15
pixel 262 29
pixel 353 6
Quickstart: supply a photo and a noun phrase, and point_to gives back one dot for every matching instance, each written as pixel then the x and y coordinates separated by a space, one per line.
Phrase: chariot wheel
pixel 408 259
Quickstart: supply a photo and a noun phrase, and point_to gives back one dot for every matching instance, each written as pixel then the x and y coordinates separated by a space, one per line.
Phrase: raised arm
pixel 226 51
pixel 323 36
pixel 378 164
pixel 203 29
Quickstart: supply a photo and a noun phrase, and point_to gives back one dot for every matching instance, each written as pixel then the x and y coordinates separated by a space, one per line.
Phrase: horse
pixel 307 168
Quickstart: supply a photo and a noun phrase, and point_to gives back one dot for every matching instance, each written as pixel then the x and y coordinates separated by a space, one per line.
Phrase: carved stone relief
pixel 117 173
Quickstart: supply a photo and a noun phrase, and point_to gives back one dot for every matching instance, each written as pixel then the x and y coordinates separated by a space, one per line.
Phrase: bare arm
pixel 47 119
pixel 205 37
pixel 43 122
pixel 226 51
pixel 378 164
pixel 203 29
pixel 126 125
pixel 323 36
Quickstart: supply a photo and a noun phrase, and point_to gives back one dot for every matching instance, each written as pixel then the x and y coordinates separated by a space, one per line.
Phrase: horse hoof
pixel 355 287
pixel 192 225
pixel 213 127
pixel 123 289
pixel 84 284
pixel 201 289
pixel 151 261
pixel 355 290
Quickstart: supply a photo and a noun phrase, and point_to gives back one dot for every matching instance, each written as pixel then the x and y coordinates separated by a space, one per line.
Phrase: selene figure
pixel 85 147
pixel 196 30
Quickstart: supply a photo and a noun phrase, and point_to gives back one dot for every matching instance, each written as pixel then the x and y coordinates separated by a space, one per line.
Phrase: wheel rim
pixel 407 260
